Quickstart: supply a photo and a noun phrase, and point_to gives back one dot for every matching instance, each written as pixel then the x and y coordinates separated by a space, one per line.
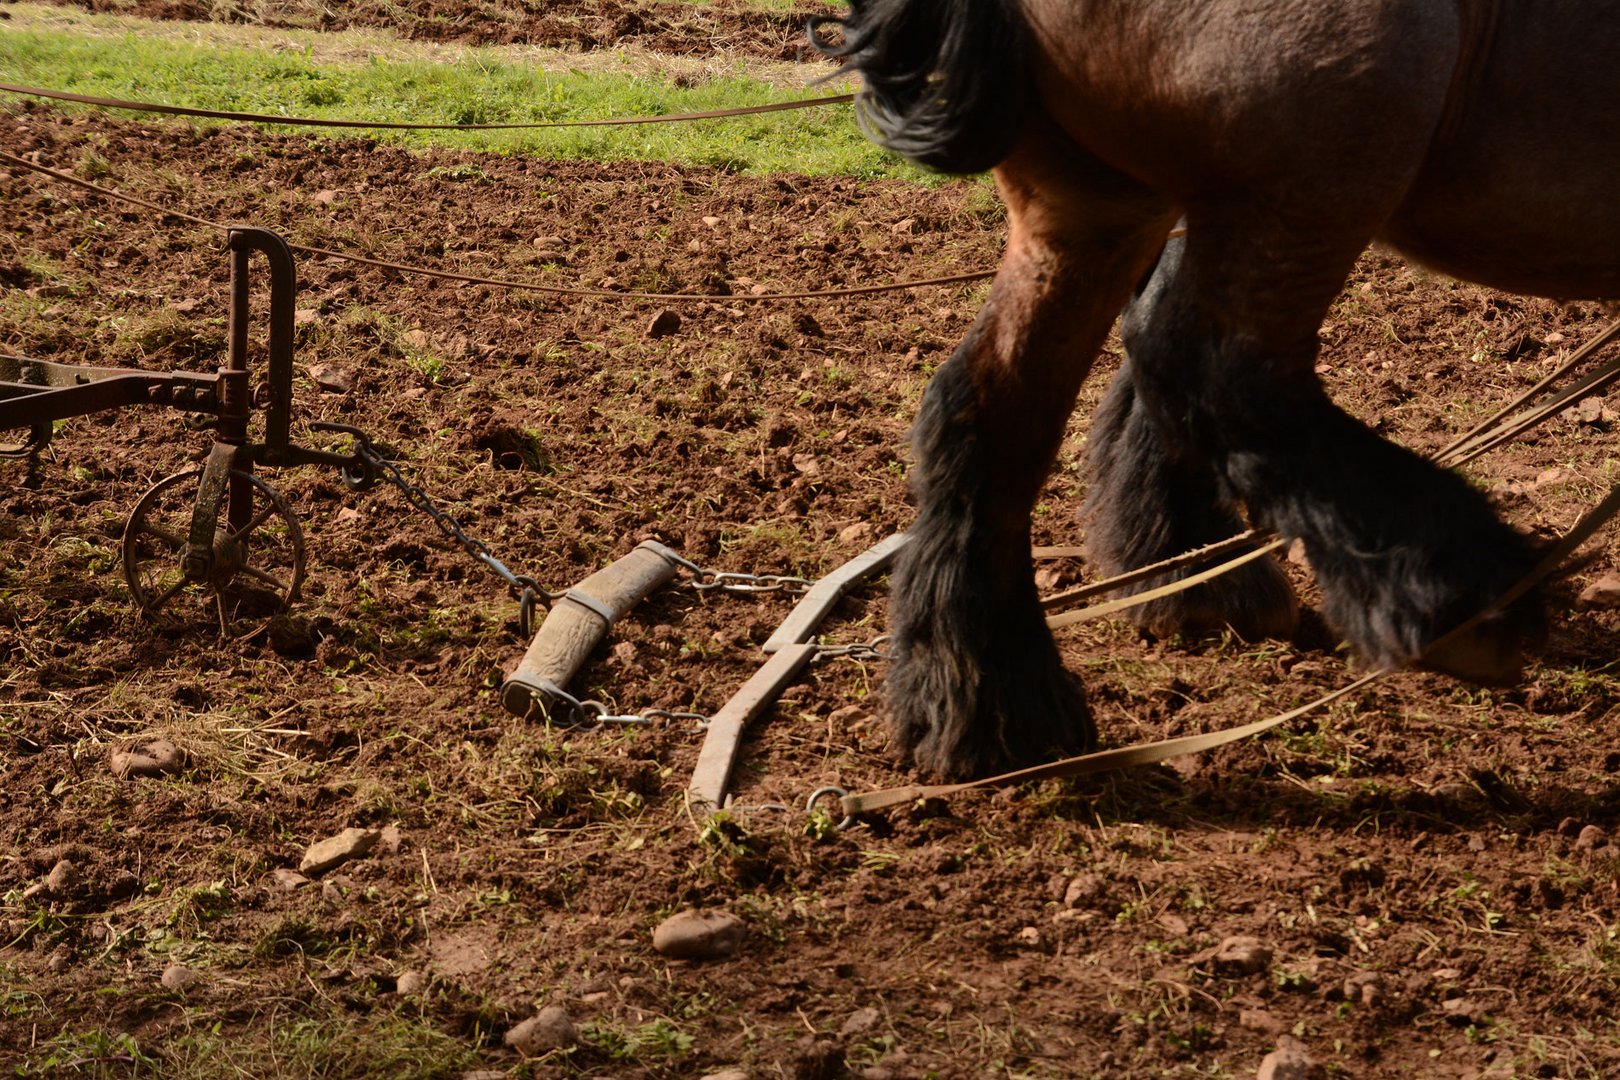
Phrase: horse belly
pixel 1519 189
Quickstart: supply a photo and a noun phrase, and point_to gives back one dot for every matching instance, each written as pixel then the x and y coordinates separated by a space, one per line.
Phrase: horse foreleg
pixel 977 685
pixel 1153 495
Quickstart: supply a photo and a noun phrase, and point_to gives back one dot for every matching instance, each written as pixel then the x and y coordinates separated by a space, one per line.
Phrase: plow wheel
pixel 218 538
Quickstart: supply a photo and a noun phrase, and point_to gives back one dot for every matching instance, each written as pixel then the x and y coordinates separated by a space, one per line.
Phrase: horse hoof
pixel 965 732
pixel 1255 601
pixel 1489 655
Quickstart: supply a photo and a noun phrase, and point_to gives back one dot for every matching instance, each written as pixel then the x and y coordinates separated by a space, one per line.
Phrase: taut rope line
pixel 401 125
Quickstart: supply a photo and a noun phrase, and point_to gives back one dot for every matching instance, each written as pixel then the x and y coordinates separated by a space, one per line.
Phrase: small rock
pixel 1288 1062
pixel 389 839
pixel 1364 988
pixel 860 1021
pixel 1242 956
pixel 305 316
pixel 1602 595
pixel 1592 411
pixel 331 379
pixel 856 535
pixel 337 850
pixel 727 1074
pixel 287 878
pixel 324 197
pixel 180 978
pixel 62 878
pixel 711 222
pixel 1591 838
pixel 663 324
pixel 699 935
pixel 1459 1011
pixel 1262 1021
pixel 484 1074
pixel 1085 890
pixel 154 758
pixel 410 982
pixel 1028 938
pixel 547 1030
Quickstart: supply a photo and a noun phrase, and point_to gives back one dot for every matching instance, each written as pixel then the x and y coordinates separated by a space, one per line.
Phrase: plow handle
pixel 579 621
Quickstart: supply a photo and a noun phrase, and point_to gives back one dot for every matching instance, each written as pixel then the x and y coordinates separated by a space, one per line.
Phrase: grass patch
pixel 478 86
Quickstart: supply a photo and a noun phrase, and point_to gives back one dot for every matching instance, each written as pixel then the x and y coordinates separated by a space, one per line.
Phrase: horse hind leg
pixel 1403 551
pixel 1152 495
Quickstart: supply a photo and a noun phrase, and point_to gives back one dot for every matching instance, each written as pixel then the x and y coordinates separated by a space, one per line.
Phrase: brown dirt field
pixel 677 29
pixel 1428 865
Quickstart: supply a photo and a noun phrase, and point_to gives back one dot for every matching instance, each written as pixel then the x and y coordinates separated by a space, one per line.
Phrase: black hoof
pixel 1405 611
pixel 957 719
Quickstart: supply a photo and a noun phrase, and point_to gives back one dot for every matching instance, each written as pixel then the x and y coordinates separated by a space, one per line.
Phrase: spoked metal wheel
pixel 248 564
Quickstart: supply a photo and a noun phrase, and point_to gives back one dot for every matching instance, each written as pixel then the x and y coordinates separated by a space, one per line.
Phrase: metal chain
pixel 866 650
pixel 586 713
pixel 707 580
pixel 525 588
pixel 530 592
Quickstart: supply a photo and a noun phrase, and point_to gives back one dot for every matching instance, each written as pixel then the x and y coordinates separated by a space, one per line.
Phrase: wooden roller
pixel 579 621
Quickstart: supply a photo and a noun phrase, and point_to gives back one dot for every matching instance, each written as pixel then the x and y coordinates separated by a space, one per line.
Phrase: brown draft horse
pixel 1480 137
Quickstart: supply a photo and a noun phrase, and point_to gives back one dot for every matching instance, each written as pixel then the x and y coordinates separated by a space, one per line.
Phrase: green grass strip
pixel 480 86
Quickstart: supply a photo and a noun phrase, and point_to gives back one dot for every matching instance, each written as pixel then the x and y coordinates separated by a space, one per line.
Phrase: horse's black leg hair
pixel 977 685
pixel 1153 495
pixel 1403 551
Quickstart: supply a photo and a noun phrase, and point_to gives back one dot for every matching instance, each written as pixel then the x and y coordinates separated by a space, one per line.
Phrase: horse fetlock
pixel 1255 601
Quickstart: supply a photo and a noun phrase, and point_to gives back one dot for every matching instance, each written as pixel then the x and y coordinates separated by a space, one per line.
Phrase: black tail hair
pixel 946 81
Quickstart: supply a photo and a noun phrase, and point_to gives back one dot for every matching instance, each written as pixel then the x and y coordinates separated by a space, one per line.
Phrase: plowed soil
pixel 1416 882
pixel 665 26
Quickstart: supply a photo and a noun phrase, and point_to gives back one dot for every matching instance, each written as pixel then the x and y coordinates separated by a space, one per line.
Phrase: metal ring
pixel 820 793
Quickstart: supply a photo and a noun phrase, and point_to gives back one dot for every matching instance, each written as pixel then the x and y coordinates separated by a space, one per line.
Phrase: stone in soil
pixel 1601 595
pixel 157 757
pixel 288 878
pixel 180 978
pixel 727 1074
pixel 337 850
pixel 62 879
pixel 1364 988
pixel 699 935
pixel 1242 956
pixel 861 1020
pixel 547 1030
pixel 410 982
pixel 1288 1062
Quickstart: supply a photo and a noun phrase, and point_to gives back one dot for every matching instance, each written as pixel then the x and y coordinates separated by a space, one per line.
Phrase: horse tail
pixel 946 84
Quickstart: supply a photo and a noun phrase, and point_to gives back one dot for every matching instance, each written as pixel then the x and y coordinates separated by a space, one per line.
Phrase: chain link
pixel 590 714
pixel 525 588
pixel 707 580
pixel 866 650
